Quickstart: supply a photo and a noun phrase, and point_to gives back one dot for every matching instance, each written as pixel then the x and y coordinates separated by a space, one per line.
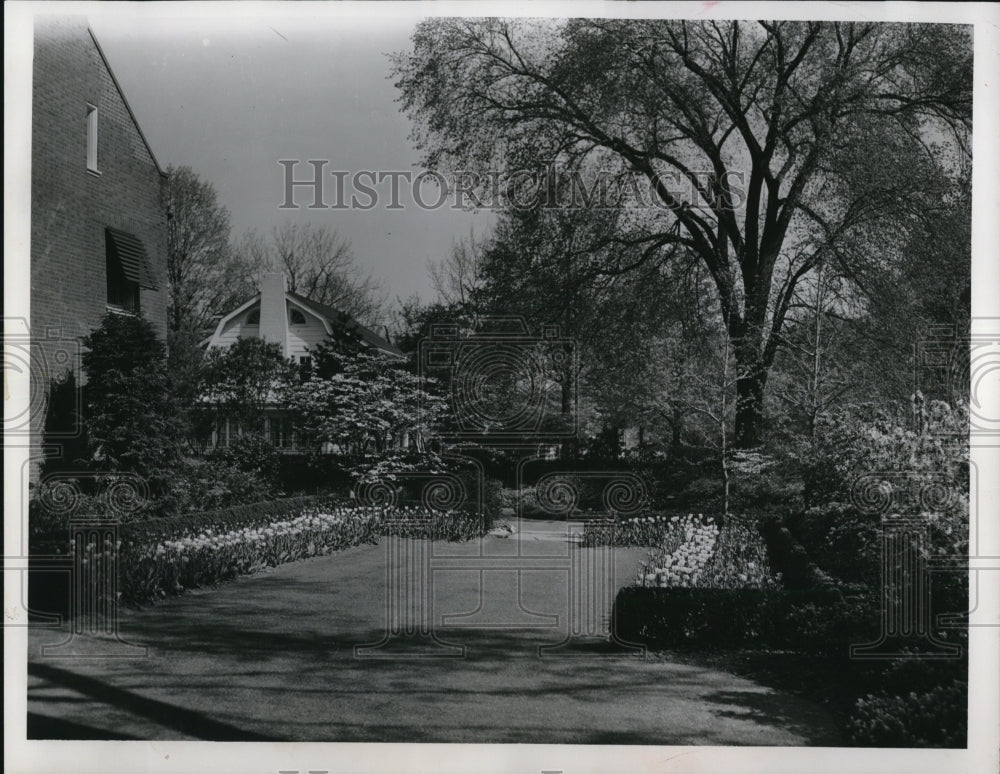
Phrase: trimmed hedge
pixel 713 618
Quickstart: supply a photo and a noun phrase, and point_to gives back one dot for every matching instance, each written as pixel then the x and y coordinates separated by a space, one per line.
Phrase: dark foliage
pixel 131 419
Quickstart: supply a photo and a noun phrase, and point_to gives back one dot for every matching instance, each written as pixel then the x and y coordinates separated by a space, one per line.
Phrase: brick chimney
pixel 273 314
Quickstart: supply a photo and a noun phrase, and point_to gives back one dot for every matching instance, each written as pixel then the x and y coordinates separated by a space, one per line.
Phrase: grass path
pixel 272 656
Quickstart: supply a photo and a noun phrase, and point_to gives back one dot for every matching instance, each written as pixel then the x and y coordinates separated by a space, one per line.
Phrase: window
pixel 123 292
pixel 305 365
pixel 280 432
pixel 127 265
pixel 297 317
pixel 254 317
pixel 92 138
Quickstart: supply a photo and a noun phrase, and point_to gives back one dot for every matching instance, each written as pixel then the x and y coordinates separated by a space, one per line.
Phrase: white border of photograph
pixel 238 758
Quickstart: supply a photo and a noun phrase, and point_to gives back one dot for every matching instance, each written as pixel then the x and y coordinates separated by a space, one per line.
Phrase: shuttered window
pixel 127 269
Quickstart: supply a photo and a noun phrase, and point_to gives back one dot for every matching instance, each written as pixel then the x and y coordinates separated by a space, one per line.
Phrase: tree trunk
pixel 750 406
pixel 676 429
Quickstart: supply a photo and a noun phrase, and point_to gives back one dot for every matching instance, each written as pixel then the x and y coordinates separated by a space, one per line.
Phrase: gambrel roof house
pixel 295 322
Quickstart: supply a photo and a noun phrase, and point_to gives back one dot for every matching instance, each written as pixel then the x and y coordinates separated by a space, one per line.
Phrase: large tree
pixel 749 139
pixel 198 255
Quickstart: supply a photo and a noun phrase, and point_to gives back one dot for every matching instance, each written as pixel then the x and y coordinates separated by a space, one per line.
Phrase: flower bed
pixel 419 522
pixel 689 551
pixel 683 556
pixel 649 530
pixel 215 552
pixel 158 557
pixel 698 554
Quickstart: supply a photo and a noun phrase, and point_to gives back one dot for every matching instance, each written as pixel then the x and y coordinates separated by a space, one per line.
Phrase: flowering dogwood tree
pixel 367 406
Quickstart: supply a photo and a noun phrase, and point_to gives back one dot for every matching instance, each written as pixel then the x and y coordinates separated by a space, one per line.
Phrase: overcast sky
pixel 230 97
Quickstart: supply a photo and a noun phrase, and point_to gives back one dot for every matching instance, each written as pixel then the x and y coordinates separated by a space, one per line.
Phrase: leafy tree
pixel 244 379
pixel 814 371
pixel 792 142
pixel 365 404
pixel 130 416
pixel 199 264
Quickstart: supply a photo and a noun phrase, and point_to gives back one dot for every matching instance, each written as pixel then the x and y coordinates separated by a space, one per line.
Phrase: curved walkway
pixel 275 656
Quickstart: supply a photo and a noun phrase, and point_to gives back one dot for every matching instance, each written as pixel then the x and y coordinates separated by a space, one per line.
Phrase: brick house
pixel 98 221
pixel 297 324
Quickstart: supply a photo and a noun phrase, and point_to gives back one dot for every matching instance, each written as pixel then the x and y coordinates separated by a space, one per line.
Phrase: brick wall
pixel 71 207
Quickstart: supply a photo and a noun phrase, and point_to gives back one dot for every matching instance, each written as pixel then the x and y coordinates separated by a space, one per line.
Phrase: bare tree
pixel 457 277
pixel 318 263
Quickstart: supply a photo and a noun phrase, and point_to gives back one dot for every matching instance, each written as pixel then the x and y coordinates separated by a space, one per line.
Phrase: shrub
pixel 486 492
pixel 863 468
pixel 706 491
pixel 762 483
pixel 789 558
pixel 715 618
pixel 53 502
pixel 933 718
pixel 847 543
pixel 252 454
pixel 132 423
pixel 195 484
pixel 316 473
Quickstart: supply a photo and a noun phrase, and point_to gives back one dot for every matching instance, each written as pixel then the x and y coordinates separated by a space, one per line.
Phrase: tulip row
pixel 697 553
pixel 649 530
pixel 209 553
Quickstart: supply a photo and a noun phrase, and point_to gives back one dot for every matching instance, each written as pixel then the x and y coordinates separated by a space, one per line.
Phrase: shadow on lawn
pixel 771 710
pixel 45 727
pixel 183 720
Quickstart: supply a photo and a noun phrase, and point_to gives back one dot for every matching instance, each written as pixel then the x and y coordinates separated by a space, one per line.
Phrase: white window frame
pixel 92 123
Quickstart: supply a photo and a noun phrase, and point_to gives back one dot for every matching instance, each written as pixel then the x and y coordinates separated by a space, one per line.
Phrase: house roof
pixel 347 322
pixel 335 318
